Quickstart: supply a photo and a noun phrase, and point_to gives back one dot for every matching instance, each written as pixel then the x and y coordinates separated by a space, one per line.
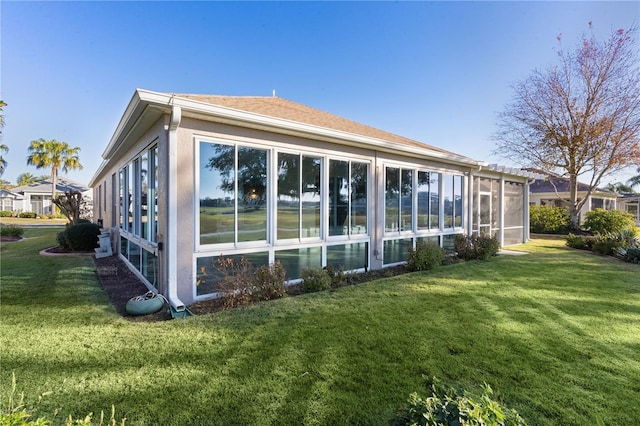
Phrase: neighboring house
pixel 189 178
pixel 9 198
pixel 553 190
pixel 630 203
pixel 36 197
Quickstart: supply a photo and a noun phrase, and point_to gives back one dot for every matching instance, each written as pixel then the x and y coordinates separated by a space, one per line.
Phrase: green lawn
pixel 556 333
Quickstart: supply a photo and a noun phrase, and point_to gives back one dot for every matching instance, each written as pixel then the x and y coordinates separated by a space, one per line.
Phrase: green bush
pixel 549 220
pixel 480 247
pixel 601 221
pixel 11 231
pixel 454 407
pixel 315 279
pixel 582 242
pixel 269 281
pixel 427 255
pixel 5 213
pixel 80 237
pixel 27 215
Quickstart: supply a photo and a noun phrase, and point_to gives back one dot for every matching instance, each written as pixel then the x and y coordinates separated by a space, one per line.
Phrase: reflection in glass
pixel 311 196
pixel 457 198
pixel 217 186
pixel 288 195
pixel 448 201
pixel 349 256
pixel 423 200
pixel 144 195
pixel 359 174
pixel 150 267
pixel 406 184
pixel 252 194
pixel 434 200
pixel 338 197
pixel 391 194
pixel 396 251
pixel 294 261
pixel 208 277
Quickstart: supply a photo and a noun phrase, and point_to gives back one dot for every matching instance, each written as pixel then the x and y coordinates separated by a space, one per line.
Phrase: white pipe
pixel 172 212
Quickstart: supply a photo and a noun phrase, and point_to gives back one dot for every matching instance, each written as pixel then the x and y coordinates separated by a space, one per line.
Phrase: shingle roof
pixel 44 186
pixel 293 111
pixel 554 182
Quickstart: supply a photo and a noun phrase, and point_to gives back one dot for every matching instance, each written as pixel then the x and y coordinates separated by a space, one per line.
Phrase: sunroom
pixel 192 178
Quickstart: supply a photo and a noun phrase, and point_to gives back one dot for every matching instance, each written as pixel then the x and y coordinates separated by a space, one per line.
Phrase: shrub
pixel 315 279
pixel 631 254
pixel 427 255
pixel 582 242
pixel 601 221
pixel 11 231
pixel 549 220
pixel 269 281
pixel 5 213
pixel 480 247
pixel 339 277
pixel 80 237
pixel 236 281
pixel 449 406
pixel 27 215
pixel 609 242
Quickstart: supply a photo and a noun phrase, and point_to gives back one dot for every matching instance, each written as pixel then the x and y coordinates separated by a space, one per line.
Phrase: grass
pixel 555 333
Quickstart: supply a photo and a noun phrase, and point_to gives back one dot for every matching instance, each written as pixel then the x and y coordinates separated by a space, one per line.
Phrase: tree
pixel 634 180
pixel 54 154
pixel 25 179
pixel 71 204
pixel 3 147
pixel 579 117
pixel 3 162
pixel 620 188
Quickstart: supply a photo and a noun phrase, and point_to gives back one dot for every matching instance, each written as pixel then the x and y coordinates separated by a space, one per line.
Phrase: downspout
pixel 177 307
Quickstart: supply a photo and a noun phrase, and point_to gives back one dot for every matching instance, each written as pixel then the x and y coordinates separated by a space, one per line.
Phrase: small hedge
pixel 11 231
pixel 601 221
pixel 27 215
pixel 80 237
pixel 427 255
pixel 5 213
pixel 315 279
pixel 481 247
pixel 549 220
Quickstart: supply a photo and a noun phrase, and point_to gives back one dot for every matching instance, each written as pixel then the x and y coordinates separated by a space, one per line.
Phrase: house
pixel 9 198
pixel 630 203
pixel 553 190
pixel 36 197
pixel 189 178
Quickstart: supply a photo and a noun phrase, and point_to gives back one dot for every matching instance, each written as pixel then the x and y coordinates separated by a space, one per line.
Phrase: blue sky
pixel 436 72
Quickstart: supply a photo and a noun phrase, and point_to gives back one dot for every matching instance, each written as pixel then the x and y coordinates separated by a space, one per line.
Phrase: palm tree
pixel 3 162
pixel 54 154
pixel 635 180
pixel 3 147
pixel 26 179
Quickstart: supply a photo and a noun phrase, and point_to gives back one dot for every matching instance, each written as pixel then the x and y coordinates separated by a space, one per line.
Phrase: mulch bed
pixel 121 284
